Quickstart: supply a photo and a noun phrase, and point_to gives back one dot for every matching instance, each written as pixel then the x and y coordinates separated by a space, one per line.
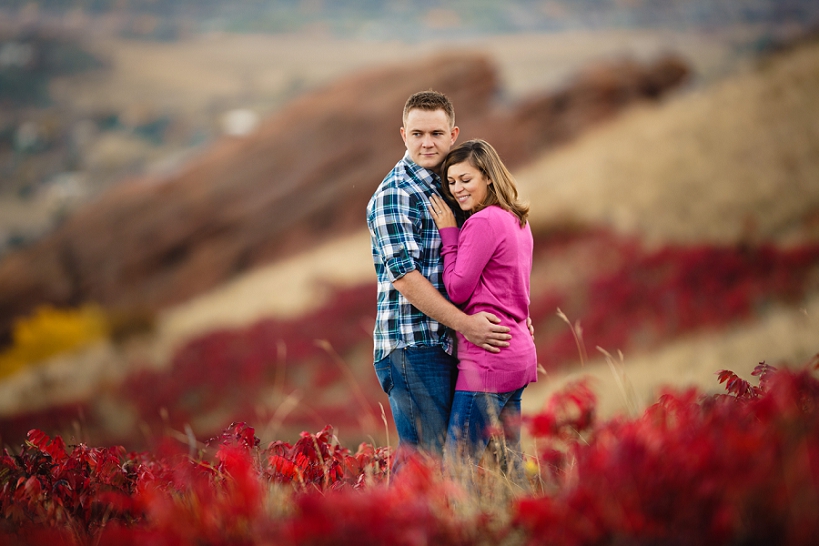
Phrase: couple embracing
pixel 453 343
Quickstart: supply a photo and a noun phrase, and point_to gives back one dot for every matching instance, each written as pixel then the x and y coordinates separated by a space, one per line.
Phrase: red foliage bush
pixel 739 468
pixel 47 485
pixel 60 417
pixel 232 367
pixel 317 460
pixel 87 489
pixel 651 297
pixel 736 468
pixel 414 510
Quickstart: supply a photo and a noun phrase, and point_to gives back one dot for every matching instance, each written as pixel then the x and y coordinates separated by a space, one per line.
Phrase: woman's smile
pixel 467 185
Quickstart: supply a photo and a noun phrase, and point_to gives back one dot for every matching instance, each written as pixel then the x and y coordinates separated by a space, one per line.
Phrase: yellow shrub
pixel 48 332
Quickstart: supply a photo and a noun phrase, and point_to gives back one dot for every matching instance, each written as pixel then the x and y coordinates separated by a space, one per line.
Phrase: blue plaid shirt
pixel 404 238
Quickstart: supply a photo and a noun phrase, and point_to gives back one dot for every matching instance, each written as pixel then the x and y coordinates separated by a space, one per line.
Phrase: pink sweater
pixel 487 264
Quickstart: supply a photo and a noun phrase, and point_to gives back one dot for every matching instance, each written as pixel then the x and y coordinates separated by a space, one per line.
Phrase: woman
pixel 487 263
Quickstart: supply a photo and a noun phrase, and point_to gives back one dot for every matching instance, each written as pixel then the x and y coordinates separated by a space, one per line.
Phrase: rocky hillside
pixel 303 177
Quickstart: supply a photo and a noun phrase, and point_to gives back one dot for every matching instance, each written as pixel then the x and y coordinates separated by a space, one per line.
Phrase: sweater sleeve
pixel 465 255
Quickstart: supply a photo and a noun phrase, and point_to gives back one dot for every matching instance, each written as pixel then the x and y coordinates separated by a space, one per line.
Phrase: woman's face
pixel 467 185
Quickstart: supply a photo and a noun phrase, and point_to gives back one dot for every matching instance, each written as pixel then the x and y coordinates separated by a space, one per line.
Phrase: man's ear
pixel 455 132
pixel 403 135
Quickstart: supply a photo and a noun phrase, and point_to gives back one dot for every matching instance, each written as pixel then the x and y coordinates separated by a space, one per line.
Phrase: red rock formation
pixel 304 176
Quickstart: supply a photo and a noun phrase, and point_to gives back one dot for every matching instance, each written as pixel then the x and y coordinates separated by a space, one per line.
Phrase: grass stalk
pixel 577 333
pixel 368 419
pixel 623 384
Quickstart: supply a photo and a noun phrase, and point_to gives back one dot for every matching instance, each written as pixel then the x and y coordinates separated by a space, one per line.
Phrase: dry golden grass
pixel 62 379
pixel 739 161
pixel 284 290
pixel 783 335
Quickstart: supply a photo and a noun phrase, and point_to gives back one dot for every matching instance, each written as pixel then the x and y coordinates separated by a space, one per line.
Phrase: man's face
pixel 428 136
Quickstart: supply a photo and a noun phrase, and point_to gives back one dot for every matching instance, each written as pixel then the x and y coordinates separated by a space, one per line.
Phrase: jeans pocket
pixel 383 371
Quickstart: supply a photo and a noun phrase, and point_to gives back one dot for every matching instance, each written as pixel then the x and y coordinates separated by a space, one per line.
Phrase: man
pixel 413 350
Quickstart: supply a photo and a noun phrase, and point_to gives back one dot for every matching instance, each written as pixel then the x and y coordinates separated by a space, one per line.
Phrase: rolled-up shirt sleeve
pixel 391 223
pixel 466 253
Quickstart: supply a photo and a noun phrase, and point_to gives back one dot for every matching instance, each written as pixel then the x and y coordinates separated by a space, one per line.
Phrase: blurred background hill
pixel 183 183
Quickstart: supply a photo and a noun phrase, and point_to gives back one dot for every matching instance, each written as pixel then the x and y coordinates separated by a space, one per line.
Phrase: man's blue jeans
pixel 420 382
pixel 477 418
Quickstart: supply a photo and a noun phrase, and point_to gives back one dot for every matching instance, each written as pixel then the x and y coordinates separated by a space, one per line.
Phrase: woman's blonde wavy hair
pixel 502 191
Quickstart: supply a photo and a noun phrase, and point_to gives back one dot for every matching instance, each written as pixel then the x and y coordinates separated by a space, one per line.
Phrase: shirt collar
pixel 428 177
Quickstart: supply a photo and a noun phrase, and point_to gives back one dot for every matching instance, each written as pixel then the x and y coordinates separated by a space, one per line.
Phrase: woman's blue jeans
pixel 477 418
pixel 420 382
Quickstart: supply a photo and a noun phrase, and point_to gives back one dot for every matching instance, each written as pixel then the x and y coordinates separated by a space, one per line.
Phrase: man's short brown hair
pixel 430 100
